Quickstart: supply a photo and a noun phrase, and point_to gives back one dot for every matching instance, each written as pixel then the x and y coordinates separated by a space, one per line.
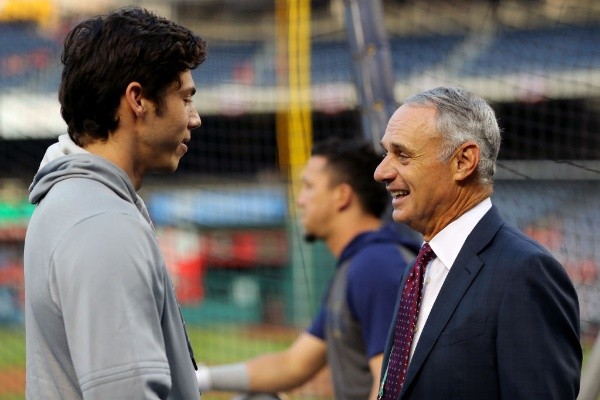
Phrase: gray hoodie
pixel 102 320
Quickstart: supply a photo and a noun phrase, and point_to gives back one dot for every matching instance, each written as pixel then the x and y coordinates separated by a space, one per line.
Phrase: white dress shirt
pixel 446 245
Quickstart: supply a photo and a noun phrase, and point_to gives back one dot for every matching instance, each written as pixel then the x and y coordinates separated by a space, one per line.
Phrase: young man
pixel 102 321
pixel 497 316
pixel 342 205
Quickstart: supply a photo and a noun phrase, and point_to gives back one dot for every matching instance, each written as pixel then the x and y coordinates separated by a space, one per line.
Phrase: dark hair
pixel 102 55
pixel 353 162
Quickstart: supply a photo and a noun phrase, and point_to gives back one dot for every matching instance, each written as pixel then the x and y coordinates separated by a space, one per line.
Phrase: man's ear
pixel 135 99
pixel 466 160
pixel 343 196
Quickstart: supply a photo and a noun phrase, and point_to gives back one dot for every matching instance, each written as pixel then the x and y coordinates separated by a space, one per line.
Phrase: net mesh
pixel 226 220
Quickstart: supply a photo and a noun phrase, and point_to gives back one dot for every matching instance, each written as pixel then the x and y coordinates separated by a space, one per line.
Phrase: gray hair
pixel 462 116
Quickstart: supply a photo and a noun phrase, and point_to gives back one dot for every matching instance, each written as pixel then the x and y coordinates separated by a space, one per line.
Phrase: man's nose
pixel 382 172
pixel 195 120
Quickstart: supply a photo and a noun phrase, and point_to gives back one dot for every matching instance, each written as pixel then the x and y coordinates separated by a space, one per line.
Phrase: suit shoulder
pixel 516 237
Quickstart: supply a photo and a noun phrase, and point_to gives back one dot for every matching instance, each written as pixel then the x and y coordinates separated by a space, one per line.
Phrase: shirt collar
pixel 450 240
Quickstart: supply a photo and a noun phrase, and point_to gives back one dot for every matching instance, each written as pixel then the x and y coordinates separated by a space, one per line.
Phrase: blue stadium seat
pixel 24 55
pixel 549 49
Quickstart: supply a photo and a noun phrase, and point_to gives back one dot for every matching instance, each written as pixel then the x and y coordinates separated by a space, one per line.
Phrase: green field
pixel 12 349
pixel 213 345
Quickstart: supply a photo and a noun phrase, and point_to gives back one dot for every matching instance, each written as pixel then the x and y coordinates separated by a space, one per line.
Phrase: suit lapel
pixel 461 275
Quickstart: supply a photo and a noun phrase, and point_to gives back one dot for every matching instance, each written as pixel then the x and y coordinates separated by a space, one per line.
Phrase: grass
pixel 228 343
pixel 12 352
pixel 12 363
pixel 213 345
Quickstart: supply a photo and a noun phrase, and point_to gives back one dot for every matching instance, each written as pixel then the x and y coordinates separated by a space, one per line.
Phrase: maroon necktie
pixel 406 321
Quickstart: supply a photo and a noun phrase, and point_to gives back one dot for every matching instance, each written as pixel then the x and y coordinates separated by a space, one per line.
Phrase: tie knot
pixel 426 254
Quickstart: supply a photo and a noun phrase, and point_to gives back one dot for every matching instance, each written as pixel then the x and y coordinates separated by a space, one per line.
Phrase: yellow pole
pixel 294 121
pixel 294 133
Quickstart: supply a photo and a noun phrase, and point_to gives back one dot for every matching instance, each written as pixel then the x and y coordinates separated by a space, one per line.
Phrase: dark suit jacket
pixel 505 324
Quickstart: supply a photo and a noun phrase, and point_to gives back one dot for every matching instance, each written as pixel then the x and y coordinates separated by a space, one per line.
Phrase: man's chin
pixel 164 168
pixel 398 216
pixel 310 238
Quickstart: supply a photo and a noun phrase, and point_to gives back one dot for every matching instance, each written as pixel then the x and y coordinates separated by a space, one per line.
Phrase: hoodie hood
pixel 63 147
pixel 386 235
pixel 86 166
pixel 65 160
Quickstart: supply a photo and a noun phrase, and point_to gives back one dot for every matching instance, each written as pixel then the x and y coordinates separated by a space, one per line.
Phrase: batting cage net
pixel 280 75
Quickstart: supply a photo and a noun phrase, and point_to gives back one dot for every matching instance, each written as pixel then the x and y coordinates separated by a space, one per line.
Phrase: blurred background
pixel 280 75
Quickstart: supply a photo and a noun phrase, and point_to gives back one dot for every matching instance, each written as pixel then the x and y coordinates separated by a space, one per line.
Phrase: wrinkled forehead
pixel 411 120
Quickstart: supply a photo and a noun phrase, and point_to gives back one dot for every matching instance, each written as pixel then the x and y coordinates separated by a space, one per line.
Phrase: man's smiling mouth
pixel 396 194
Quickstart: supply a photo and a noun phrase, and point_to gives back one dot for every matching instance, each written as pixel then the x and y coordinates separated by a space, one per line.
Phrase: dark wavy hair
pixel 102 55
pixel 353 162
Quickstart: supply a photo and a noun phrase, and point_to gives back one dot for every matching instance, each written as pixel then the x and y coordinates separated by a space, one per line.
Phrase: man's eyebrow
pixel 189 91
pixel 398 146
pixel 395 147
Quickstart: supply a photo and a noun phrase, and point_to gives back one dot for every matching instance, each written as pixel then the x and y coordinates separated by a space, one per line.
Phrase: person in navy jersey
pixel 341 204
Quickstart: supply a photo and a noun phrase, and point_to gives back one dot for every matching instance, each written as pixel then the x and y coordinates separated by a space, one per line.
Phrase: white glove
pixel 203 378
pixel 228 378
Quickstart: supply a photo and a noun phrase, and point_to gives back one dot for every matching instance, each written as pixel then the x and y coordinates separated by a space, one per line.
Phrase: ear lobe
pixel 466 160
pixel 134 98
